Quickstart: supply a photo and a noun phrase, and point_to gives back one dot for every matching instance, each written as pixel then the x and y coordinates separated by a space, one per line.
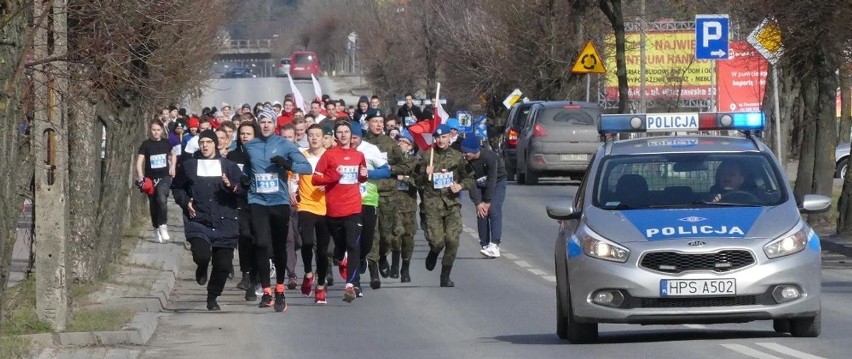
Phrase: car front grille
pixel 719 262
pixel 694 302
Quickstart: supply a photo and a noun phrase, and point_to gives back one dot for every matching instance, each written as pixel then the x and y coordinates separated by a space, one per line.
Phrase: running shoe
pixel 292 283
pixel 265 301
pixel 495 251
pixel 349 294
pixel 245 281
pixel 164 232
pixel 213 305
pixel 329 279
pixel 280 304
pixel 342 267
pixel 319 296
pixel 258 290
pixel 484 250
pixel 158 235
pixel 251 296
pixel 358 292
pixel 307 285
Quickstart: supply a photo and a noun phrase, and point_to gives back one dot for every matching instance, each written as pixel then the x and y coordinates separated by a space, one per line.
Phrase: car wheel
pixel 569 328
pixel 532 177
pixel 806 327
pixel 840 170
pixel 781 325
pixel 521 177
pixel 561 318
pixel 510 170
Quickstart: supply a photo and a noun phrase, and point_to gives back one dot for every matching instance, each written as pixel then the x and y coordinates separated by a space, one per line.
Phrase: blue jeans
pixel 491 227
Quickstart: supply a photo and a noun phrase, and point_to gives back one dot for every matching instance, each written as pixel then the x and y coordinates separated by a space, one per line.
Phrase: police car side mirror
pixel 562 210
pixel 815 203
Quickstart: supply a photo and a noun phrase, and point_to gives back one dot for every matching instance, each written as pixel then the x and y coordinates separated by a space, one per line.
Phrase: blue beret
pixel 441 130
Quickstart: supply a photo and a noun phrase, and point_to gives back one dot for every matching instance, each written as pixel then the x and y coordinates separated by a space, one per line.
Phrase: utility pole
pixel 50 146
pixel 643 96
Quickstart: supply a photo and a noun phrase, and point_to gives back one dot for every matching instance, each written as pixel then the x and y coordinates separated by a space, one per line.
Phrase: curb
pixel 142 326
pixel 836 244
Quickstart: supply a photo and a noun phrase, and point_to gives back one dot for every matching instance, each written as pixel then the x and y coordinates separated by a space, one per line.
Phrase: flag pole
pixel 432 153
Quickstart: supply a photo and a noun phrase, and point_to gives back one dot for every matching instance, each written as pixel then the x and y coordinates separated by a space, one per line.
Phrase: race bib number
pixel 266 182
pixel 363 188
pixel 481 181
pixel 442 180
pixel 401 186
pixel 348 174
pixel 158 161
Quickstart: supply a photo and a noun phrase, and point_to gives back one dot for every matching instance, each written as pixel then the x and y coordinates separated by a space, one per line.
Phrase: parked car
pixel 282 69
pixel 686 230
pixel 237 73
pixel 303 64
pixel 514 123
pixel 558 138
pixel 841 155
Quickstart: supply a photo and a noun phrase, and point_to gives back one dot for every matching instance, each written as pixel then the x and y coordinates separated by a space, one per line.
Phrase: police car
pixel 686 229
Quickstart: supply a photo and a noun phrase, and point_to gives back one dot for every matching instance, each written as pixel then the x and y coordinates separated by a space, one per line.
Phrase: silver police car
pixel 686 229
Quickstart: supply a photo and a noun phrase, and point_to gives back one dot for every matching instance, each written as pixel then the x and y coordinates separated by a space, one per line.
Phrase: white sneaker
pixel 484 250
pixel 158 235
pixel 494 251
pixel 164 232
pixel 271 269
pixel 258 290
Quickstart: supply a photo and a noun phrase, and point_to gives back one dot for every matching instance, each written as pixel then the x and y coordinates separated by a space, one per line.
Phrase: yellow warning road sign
pixel 589 61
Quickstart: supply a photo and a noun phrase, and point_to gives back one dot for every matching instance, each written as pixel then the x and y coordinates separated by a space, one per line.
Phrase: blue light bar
pixel 682 122
pixel 749 120
pixel 616 123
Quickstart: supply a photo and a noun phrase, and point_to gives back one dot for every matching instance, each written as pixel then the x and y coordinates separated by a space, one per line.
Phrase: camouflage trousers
pixel 443 227
pixel 407 224
pixel 387 233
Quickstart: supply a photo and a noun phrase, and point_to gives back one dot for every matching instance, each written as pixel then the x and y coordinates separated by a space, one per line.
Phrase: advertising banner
pixel 671 70
pixel 742 79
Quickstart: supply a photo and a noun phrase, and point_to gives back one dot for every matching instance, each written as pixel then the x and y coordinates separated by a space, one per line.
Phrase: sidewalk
pixel 143 284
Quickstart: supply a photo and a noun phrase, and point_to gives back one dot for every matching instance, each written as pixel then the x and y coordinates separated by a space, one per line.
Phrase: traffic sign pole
pixel 778 151
pixel 588 85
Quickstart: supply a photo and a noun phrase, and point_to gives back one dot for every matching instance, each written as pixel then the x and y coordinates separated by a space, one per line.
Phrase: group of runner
pixel 333 186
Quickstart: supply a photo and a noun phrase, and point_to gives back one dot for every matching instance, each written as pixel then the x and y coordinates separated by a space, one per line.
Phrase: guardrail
pixel 248 44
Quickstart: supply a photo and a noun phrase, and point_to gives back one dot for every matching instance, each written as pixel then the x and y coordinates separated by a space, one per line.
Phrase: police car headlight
pixel 789 244
pixel 598 247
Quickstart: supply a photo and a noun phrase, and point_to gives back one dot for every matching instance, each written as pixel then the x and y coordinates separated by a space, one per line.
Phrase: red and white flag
pixel 317 89
pixel 422 130
pixel 300 101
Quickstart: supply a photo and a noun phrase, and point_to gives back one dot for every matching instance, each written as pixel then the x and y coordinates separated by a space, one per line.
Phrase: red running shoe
pixel 319 296
pixel 307 285
pixel 342 267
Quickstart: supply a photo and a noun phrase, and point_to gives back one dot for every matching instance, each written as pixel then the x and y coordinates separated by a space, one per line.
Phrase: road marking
pixel 509 256
pixel 537 272
pixel 523 264
pixel 789 351
pixel 695 326
pixel 742 349
pixel 469 230
pixel 549 278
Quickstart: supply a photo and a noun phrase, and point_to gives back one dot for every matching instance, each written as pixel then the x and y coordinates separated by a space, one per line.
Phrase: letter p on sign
pixel 712 32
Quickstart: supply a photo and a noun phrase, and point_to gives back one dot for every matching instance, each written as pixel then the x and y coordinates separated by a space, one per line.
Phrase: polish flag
pixel 422 131
pixel 300 101
pixel 317 89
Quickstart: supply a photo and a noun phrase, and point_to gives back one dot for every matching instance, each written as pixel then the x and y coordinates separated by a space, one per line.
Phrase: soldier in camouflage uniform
pixel 407 199
pixel 442 183
pixel 388 209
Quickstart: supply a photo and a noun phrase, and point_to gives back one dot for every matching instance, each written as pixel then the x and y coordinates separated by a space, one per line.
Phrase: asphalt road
pixel 500 308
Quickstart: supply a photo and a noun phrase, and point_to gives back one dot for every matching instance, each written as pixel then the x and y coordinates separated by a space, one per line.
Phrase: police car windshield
pixel 688 180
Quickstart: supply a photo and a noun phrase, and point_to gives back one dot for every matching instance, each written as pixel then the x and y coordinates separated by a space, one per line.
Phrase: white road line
pixel 742 349
pixel 536 271
pixel 695 326
pixel 789 351
pixel 523 264
pixel 509 256
pixel 549 278
pixel 469 230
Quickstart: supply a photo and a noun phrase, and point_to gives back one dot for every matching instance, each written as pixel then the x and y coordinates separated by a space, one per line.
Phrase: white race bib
pixel 442 180
pixel 266 182
pixel 348 174
pixel 209 168
pixel 158 161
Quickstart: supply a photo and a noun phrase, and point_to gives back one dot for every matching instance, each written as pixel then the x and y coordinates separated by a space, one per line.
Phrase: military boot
pixel 375 282
pixel 394 269
pixel 431 260
pixel 445 276
pixel 404 276
pixel 383 266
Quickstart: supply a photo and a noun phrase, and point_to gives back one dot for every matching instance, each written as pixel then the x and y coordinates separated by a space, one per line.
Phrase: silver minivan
pixel 558 138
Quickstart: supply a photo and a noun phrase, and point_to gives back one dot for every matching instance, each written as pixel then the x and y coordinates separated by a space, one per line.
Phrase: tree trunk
pixel 612 10
pixel 845 133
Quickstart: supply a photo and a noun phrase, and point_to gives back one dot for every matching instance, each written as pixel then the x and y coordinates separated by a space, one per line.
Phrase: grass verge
pixel 12 347
pixel 96 320
pixel 20 317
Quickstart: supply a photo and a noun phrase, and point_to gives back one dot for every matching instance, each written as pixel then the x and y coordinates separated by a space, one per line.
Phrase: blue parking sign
pixel 711 37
